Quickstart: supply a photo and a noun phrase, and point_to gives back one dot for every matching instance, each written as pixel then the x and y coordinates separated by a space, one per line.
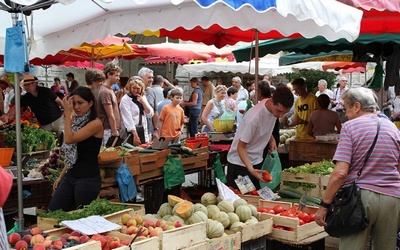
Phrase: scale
pixel 221 136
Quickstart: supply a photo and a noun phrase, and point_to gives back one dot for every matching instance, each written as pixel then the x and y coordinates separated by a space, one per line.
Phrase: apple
pixel 14 238
pixel 84 238
pixel 132 230
pixel 35 230
pixel 21 245
pixel 75 233
pixel 47 243
pixel 125 242
pixel 27 238
pixel 160 223
pixel 144 231
pixel 131 222
pixel 38 238
pixel 113 242
pixel 138 219
pixel 177 224
pixel 148 223
pixel 124 229
pixel 65 235
pixel 58 244
pixel 125 218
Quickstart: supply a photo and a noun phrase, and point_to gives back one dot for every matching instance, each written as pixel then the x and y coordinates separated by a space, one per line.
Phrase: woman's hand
pixel 140 98
pixel 320 216
pixel 136 139
pixel 68 105
pixel 56 183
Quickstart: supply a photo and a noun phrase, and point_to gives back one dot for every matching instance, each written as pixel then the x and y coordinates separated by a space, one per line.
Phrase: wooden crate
pixel 307 150
pixel 298 232
pixel 108 156
pixel 150 162
pixel 133 162
pixel 255 231
pixel 251 199
pixel 150 243
pixel 200 160
pixel 300 177
pixel 228 242
pixel 51 223
pixel 183 237
pixel 324 179
pixel 271 204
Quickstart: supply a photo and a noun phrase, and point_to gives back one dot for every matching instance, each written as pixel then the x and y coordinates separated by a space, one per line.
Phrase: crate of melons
pixel 289 223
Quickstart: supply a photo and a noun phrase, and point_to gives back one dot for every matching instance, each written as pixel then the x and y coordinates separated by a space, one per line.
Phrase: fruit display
pixel 286 135
pixel 52 167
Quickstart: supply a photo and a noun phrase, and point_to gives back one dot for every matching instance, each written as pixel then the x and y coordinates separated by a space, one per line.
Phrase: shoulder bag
pixel 346 214
pixel 139 131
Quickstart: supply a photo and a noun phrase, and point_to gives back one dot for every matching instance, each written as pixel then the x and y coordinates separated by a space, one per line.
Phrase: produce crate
pixel 324 179
pixel 228 242
pixel 251 199
pixel 107 156
pixel 197 161
pixel 51 223
pixel 263 227
pixel 149 162
pixel 40 194
pixel 299 232
pixel 307 151
pixel 186 236
pixel 313 179
pixel 150 243
pixel 133 162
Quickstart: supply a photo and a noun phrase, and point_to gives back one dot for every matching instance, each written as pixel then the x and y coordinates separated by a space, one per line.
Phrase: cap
pixel 70 74
pixel 28 79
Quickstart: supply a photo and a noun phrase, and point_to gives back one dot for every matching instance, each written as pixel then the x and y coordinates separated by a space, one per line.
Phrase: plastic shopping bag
pixel 173 172
pixel 126 183
pixel 272 164
pixel 217 166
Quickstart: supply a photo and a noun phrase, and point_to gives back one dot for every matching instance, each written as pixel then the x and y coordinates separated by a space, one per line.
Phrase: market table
pixel 303 151
pixel 314 242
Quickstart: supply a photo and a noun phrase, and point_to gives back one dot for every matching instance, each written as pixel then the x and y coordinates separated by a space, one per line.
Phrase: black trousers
pixel 235 170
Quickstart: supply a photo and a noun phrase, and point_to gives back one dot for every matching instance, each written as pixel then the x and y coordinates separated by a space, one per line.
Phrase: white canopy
pixel 61 26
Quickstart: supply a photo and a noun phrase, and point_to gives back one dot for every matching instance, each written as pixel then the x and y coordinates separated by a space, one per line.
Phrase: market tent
pixel 82 65
pixel 317 45
pixel 292 58
pixel 86 21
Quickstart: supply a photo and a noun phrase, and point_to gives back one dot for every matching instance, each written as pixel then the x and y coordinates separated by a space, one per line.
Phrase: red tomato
pixel 266 176
pixel 280 228
pixel 278 209
pixel 290 228
pixel 254 192
pixel 301 222
pixel 305 217
pixel 261 210
pixel 269 211
pixel 312 217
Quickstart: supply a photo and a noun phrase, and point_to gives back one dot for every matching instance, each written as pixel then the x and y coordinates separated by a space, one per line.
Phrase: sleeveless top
pixel 217 111
pixel 86 165
pixel 199 98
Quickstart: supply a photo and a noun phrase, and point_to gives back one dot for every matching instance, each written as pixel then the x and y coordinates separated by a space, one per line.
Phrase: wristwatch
pixel 323 204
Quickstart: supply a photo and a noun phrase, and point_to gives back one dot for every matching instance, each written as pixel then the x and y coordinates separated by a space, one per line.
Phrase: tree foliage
pixel 312 78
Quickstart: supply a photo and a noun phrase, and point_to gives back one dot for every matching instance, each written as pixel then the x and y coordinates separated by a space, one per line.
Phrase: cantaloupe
pixel 223 218
pixel 214 229
pixel 208 199
pixel 233 218
pixel 253 210
pixel 226 206
pixel 212 210
pixel 173 200
pixel 184 209
pixel 197 217
pixel 174 218
pixel 235 226
pixel 176 207
pixel 251 221
pixel 166 217
pixel 200 207
pixel 239 202
pixel 165 209
pixel 244 212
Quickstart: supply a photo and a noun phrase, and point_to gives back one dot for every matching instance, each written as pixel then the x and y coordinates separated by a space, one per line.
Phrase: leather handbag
pixel 140 131
pixel 346 214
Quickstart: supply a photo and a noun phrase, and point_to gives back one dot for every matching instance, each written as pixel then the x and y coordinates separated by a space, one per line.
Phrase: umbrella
pixel 82 65
pixel 99 49
pixel 291 58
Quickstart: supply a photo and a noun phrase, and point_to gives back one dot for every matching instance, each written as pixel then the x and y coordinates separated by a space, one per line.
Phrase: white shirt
pixel 243 94
pixel 255 130
pixel 327 92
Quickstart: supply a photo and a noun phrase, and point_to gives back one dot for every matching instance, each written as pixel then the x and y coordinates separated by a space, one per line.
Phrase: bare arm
pixel 111 118
pixel 241 149
pixel 339 126
pixel 206 111
pixel 310 128
pixel 59 102
pixel 195 96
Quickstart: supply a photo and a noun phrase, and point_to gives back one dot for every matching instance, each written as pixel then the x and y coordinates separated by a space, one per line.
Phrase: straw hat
pixel 5 80
pixel 28 79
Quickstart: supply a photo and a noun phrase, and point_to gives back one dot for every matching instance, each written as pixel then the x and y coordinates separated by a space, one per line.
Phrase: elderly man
pixel 323 89
pixel 337 98
pixel 243 94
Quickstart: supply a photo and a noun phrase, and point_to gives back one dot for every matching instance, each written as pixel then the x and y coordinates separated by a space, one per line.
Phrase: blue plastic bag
pixel 273 165
pixel 126 183
pixel 16 57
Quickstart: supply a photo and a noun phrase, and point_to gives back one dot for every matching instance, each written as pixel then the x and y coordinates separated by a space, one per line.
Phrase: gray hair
pixel 143 71
pixel 236 78
pixel 365 96
pixel 323 82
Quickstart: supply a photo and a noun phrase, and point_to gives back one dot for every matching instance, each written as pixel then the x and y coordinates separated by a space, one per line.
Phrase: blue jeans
pixel 193 121
pixel 73 193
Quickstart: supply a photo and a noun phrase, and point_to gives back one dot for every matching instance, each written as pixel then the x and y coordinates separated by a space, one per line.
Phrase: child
pixel 172 118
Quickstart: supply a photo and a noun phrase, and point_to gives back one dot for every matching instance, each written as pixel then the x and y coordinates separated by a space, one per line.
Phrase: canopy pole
pixel 256 67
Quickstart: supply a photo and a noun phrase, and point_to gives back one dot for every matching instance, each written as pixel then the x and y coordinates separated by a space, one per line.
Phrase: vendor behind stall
pixel 245 156
pixel 323 121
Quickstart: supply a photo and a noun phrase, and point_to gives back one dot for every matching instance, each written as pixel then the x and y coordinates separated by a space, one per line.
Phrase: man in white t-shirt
pixel 243 94
pixel 245 156
pixel 323 89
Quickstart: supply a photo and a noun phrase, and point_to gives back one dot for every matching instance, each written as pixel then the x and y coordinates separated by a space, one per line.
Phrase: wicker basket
pixel 6 156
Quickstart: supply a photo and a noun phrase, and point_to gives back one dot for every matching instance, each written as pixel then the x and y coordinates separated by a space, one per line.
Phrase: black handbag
pixel 346 214
pixel 140 131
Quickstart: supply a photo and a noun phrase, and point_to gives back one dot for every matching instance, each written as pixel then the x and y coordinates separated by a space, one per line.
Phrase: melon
pixel 244 212
pixel 174 218
pixel 226 206
pixel 214 229
pixel 212 210
pixel 176 207
pixel 184 209
pixel 223 218
pixel 239 202
pixel 235 226
pixel 253 210
pixel 208 199
pixel 200 207
pixel 173 200
pixel 165 209
pixel 251 221
pixel 197 217
pixel 233 218
pixel 166 217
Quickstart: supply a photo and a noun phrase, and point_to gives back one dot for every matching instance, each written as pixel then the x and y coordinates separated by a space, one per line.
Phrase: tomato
pixel 290 228
pixel 305 217
pixel 269 211
pixel 312 217
pixel 301 222
pixel 278 209
pixel 280 228
pixel 254 192
pixel 261 210
pixel 266 176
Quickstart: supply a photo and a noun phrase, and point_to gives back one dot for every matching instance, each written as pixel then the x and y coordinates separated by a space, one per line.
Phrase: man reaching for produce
pixel 246 154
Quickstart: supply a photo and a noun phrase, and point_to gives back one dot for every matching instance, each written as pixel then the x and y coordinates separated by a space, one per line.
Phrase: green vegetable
pixel 96 207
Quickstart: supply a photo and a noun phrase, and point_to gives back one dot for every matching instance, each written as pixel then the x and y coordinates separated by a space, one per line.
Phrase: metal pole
pixel 256 68
pixel 21 221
